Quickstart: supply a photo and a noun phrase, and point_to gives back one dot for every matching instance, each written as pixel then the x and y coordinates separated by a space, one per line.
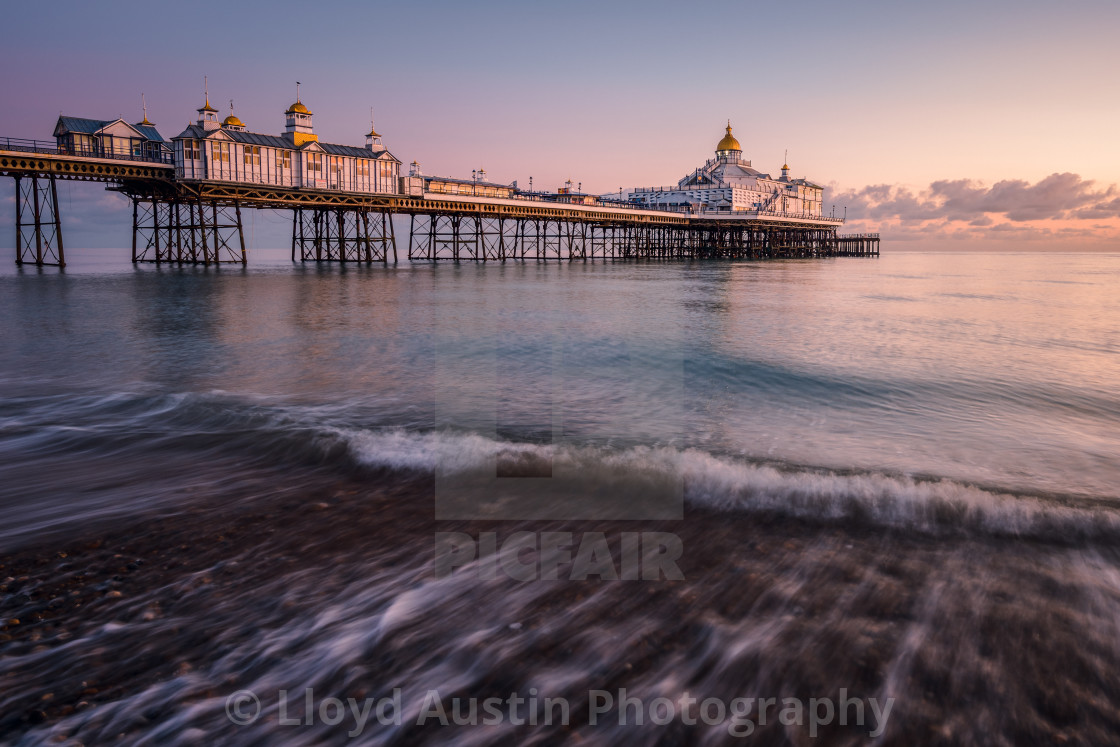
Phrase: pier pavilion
pixel 729 184
pixel 227 151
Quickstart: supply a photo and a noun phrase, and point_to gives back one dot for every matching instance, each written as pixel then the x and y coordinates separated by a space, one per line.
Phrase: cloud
pixel 1058 196
pixel 1055 208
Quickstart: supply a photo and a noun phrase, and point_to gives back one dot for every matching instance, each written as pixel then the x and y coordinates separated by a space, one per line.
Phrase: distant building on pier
pixel 112 138
pixel 729 184
pixel 477 187
pixel 227 151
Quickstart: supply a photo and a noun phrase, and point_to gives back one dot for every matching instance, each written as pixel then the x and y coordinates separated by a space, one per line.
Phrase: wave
pixel 277 434
pixel 729 484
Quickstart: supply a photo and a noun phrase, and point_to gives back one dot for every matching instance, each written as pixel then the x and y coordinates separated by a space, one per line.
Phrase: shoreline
pixel 206 588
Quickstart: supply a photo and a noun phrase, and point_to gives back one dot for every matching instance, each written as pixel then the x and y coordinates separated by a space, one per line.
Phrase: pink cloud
pixel 1057 207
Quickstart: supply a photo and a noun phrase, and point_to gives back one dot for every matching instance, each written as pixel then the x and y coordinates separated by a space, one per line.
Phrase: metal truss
pixel 458 237
pixel 342 235
pixel 38 224
pixel 186 232
pixel 455 237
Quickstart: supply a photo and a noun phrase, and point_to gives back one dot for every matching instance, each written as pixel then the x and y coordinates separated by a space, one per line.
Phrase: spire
pixel 207 115
pixel 144 105
pixel 373 140
pixel 206 92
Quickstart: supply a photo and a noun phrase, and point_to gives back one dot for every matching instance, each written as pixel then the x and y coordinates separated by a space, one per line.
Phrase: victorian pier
pixel 189 196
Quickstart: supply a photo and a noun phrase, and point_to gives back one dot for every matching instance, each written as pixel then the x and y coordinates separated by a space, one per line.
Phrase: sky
pixel 957 125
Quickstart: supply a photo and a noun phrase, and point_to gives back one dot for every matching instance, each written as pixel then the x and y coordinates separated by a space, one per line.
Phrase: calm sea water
pixel 969 403
pixel 1001 371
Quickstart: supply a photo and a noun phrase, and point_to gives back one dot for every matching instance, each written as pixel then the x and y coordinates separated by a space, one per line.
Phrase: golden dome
pixel 232 121
pixel 297 108
pixel 729 142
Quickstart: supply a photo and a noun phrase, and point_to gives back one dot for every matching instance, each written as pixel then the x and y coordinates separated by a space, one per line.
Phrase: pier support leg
pixel 38 223
pixel 343 235
pixel 159 233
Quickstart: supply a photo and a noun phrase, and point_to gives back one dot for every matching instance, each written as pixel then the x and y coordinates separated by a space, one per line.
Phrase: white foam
pixel 729 484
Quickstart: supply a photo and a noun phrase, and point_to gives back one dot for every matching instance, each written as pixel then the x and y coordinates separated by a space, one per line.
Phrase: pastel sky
pixel 944 125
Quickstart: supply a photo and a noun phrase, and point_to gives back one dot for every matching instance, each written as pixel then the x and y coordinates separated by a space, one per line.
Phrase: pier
pixel 185 214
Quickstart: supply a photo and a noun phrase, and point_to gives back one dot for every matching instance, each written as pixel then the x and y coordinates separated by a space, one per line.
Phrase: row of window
pixel 251 156
pixel 111 145
pixel 480 190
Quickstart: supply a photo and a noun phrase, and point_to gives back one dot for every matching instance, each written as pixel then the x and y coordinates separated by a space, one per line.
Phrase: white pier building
pixel 227 151
pixel 728 185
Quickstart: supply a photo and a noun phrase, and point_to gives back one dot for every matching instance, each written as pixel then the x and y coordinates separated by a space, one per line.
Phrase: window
pixel 252 155
pixel 190 150
pixel 283 159
pixel 363 167
pixel 314 161
pixel 220 152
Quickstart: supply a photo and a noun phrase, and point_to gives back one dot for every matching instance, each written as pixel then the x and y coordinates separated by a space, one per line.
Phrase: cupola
pixel 232 122
pixel 297 127
pixel 728 149
pixel 373 140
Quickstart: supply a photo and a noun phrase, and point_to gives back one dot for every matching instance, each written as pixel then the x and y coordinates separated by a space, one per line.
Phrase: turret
pixel 297 127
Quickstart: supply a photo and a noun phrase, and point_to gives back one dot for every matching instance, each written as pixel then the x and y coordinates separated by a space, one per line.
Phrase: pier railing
pixel 23 145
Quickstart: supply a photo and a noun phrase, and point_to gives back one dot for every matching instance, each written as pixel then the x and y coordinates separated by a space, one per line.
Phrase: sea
pixel 241 505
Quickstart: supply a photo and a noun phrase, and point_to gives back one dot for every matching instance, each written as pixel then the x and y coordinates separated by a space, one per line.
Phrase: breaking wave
pixel 273 435
pixel 724 483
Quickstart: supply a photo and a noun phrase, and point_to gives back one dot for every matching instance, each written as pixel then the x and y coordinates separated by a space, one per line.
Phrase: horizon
pixel 482 87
